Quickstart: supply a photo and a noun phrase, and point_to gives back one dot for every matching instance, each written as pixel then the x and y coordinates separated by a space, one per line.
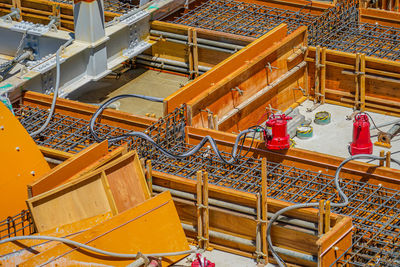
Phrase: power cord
pixel 235 154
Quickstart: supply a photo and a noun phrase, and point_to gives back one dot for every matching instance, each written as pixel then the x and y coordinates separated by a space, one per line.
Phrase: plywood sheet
pixel 70 203
pixel 151 227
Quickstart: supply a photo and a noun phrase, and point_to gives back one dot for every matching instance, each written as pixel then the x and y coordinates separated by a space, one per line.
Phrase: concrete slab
pixel 335 137
pixel 137 81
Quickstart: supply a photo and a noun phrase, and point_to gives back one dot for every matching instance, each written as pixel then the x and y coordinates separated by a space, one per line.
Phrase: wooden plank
pixel 127 182
pixel 68 168
pixel 323 73
pixel 190 51
pixel 118 152
pixel 362 82
pixel 85 111
pixel 54 153
pixel 335 242
pixel 316 74
pixel 88 195
pixel 195 53
pixel 238 109
pixel 327 222
pixel 149 176
pixel 109 195
pixel 82 199
pixel 136 230
pixel 206 219
pixel 198 209
pixel 223 69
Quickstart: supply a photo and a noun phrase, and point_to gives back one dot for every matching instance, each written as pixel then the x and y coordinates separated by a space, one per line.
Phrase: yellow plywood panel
pixel 151 227
pixel 21 162
pixel 116 187
pixel 71 203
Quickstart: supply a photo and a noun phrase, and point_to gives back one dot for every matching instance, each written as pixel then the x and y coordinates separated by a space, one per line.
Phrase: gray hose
pixel 53 103
pixel 345 202
pixel 195 149
pixel 100 251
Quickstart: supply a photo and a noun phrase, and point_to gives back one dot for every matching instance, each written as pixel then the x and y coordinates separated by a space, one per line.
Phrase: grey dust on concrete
pixel 334 138
pixel 136 81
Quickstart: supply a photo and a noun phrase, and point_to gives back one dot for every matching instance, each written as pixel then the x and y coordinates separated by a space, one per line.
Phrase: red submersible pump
pixel 361 136
pixel 276 137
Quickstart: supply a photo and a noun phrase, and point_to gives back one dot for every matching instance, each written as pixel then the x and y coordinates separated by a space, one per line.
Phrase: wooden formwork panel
pixel 244 226
pixel 85 111
pixel 114 188
pixel 377 84
pixel 267 72
pixel 151 227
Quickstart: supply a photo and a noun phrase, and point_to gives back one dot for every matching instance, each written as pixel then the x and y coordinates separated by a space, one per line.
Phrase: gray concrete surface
pixel 221 259
pixel 334 138
pixel 137 81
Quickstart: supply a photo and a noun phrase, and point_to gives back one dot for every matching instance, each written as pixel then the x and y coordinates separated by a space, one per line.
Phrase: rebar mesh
pixel 338 28
pixel 114 6
pixel 375 210
pixel 242 18
pixel 70 134
pixel 20 224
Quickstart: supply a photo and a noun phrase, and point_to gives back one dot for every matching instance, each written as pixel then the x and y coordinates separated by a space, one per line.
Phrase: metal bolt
pixel 33 173
pixel 1 127
pixel 17 148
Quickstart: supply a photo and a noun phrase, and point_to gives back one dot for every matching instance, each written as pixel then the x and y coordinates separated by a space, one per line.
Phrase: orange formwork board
pixel 304 159
pixel 335 242
pixel 259 87
pixel 151 227
pixel 110 117
pixel 316 7
pixel 381 17
pixel 13 253
pixel 223 69
pixel 21 163
pixel 380 89
pixel 68 168
pixel 115 187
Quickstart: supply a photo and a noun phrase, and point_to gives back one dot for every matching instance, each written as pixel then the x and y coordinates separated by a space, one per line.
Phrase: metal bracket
pixel 207 110
pixel 270 67
pixel 301 89
pixel 240 91
pixel 14 13
pixel 54 23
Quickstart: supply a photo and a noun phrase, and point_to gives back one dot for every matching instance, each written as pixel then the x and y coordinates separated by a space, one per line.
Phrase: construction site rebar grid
pixel 70 134
pixel 242 18
pixel 20 224
pixel 338 28
pixel 375 210
pixel 114 6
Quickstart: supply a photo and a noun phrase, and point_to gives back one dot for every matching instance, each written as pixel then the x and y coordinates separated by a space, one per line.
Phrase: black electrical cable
pixel 234 154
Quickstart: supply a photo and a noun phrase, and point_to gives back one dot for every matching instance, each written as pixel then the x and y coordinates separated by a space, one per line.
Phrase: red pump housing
pixel 278 138
pixel 361 136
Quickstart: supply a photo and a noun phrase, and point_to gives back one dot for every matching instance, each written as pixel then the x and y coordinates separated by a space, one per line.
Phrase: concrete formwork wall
pixel 239 89
pixel 377 85
pixel 163 48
